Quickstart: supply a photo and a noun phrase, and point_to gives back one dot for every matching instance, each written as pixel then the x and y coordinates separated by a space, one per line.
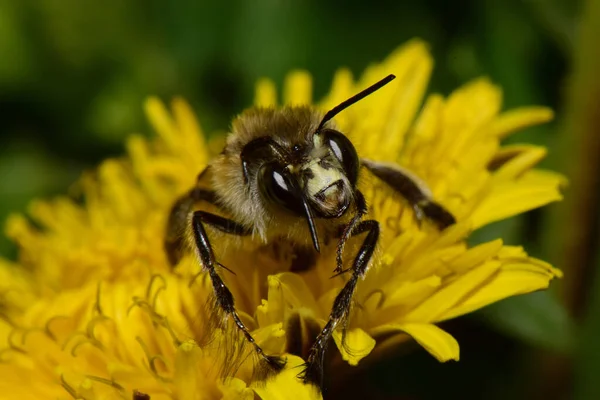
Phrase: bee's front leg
pixel 313 369
pixel 224 300
pixel 347 231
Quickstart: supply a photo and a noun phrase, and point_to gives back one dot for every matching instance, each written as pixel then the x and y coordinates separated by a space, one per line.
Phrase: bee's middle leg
pixel 313 372
pixel 223 296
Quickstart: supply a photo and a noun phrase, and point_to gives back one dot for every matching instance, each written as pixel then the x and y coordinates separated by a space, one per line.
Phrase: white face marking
pixel 322 178
pixel 317 141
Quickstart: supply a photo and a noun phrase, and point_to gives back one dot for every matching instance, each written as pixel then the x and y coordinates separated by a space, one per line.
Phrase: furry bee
pixel 289 173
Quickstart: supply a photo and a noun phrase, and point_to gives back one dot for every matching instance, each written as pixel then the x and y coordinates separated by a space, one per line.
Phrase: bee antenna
pixel 356 98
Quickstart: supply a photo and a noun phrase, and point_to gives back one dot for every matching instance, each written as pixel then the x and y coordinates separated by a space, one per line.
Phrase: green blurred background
pixel 74 74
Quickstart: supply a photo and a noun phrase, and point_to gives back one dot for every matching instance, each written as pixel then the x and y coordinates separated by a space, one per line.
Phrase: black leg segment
pixel 348 230
pixel 313 369
pixel 224 302
pixel 140 396
pixel 413 190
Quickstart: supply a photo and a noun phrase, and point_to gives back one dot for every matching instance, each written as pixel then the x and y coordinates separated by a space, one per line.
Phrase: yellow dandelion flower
pixel 93 310
pixel 105 338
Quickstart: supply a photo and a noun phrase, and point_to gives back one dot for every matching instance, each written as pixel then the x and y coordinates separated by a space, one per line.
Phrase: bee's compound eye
pixel 344 151
pixel 277 186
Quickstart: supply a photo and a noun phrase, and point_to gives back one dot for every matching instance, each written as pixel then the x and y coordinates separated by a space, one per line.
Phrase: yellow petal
pixel 526 159
pixel 518 119
pixel 186 379
pixel 286 385
pixel 466 113
pixel 271 338
pixel 298 88
pixel 423 132
pixel 265 93
pixel 16 289
pixel 437 342
pixel 190 134
pixel 234 389
pixel 512 252
pixel 411 292
pixel 455 233
pixel 161 121
pixel 395 106
pixel 405 104
pixel 436 305
pixel 534 189
pixel 265 315
pixel 474 104
pixel 356 345
pixel 342 89
pixel 296 292
pixel 511 280
pixel 476 255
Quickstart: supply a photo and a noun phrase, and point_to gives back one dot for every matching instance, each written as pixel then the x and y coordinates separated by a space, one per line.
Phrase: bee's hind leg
pixel 313 369
pixel 413 189
pixel 223 297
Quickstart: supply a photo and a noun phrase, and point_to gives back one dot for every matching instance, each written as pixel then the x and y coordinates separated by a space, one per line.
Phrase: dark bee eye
pixel 277 186
pixel 344 151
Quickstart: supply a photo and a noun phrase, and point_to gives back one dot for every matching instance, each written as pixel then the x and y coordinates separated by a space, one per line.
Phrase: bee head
pixel 328 178
pixel 317 178
pixel 323 181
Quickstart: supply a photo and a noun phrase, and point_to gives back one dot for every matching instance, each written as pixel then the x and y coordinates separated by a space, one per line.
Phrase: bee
pixel 290 174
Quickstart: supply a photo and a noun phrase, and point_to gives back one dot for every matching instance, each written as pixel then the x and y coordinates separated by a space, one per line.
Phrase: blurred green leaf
pixel 558 18
pixel 116 111
pixel 587 366
pixel 537 318
pixel 14 46
pixel 580 244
